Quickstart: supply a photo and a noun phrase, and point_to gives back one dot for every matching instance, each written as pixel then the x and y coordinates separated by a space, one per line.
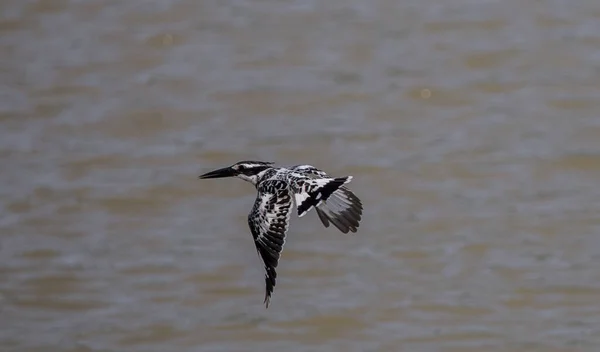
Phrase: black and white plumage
pixel 278 188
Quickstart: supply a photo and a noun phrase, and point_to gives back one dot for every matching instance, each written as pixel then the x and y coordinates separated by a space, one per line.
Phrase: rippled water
pixel 472 129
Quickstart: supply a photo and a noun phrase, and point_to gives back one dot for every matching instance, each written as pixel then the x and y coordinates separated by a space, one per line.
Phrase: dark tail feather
pixel 343 209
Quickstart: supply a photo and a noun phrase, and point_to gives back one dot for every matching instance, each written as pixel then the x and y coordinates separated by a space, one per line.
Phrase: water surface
pixel 471 128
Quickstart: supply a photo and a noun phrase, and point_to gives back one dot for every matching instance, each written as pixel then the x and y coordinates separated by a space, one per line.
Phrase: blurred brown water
pixel 472 129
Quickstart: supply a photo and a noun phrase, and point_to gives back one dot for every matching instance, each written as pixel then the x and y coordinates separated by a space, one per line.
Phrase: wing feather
pixel 269 221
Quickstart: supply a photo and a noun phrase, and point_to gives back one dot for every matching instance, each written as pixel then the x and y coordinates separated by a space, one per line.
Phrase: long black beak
pixel 224 172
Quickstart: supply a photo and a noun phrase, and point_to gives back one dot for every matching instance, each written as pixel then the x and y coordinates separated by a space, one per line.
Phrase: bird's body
pixel 277 189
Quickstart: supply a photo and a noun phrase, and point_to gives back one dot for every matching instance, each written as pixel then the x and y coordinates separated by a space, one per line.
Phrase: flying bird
pixel 279 187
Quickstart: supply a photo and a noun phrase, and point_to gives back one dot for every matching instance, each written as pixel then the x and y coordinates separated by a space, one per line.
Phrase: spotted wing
pixel 269 221
pixel 343 208
pixel 309 170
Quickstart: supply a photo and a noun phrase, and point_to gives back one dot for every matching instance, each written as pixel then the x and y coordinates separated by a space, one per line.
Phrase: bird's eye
pixel 241 167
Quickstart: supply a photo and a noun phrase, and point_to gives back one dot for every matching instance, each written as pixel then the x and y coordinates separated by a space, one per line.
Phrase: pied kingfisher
pixel 270 216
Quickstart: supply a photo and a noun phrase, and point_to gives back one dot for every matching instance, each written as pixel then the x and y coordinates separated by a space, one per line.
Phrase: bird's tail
pixel 343 209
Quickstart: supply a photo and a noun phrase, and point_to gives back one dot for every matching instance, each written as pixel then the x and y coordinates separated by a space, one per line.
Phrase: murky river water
pixel 472 129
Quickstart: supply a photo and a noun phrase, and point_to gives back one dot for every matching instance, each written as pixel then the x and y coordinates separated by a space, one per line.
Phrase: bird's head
pixel 246 170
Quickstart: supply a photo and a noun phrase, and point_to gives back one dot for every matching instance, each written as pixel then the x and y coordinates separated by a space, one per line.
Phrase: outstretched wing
pixel 342 208
pixel 269 221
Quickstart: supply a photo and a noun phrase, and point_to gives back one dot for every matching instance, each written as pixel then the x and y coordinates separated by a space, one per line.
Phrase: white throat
pixel 252 179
